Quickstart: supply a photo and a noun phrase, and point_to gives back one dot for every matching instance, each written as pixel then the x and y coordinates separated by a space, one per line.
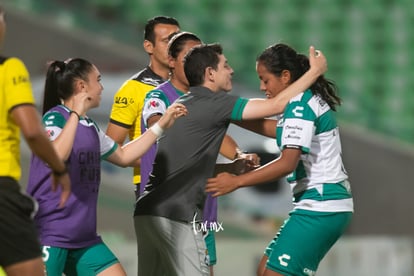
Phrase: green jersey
pixel 319 183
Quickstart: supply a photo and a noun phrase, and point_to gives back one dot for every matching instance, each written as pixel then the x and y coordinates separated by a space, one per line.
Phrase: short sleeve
pixel 17 84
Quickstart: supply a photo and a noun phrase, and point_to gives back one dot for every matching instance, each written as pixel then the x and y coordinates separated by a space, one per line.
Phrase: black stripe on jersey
pixel 3 59
pixel 13 107
pixel 292 147
pixel 148 76
pixel 120 124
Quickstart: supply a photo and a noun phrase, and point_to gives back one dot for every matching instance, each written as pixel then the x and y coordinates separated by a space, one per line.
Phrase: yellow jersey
pixel 15 90
pixel 128 104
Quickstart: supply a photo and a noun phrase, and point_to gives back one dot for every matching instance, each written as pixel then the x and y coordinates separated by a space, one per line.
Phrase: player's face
pixel 223 75
pixel 177 64
pixel 94 87
pixel 160 47
pixel 269 82
pixel 2 26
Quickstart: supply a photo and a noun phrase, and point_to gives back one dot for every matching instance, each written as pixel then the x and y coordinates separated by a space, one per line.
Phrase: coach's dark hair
pixel 60 80
pixel 279 57
pixel 198 59
pixel 151 23
pixel 177 42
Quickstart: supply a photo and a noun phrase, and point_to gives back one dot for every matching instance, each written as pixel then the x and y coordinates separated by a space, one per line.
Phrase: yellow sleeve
pixel 127 111
pixel 127 106
pixel 17 83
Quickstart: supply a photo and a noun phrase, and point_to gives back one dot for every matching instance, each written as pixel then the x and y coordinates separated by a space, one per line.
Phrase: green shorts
pixel 84 261
pixel 211 256
pixel 303 241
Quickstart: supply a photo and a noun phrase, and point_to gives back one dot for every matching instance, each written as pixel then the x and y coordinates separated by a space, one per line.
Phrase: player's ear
pixel 171 62
pixel 209 74
pixel 148 47
pixel 80 86
pixel 286 77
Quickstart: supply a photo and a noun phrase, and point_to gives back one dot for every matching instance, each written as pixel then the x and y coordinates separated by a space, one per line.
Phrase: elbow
pixel 33 134
pixel 123 164
pixel 289 168
pixel 279 108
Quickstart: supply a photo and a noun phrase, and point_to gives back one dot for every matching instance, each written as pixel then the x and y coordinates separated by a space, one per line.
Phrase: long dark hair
pixel 279 57
pixel 60 80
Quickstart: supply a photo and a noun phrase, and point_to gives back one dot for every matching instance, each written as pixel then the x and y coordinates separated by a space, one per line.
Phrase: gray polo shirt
pixel 187 155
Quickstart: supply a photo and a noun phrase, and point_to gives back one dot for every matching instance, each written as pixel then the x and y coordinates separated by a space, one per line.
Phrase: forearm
pixel 63 144
pixel 27 118
pixel 229 148
pixel 41 146
pixel 265 127
pixel 129 154
pixel 303 83
pixel 269 172
pixel 117 133
pixel 236 167
pixel 262 108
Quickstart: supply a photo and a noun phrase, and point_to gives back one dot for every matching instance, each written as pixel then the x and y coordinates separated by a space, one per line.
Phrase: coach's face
pixel 223 75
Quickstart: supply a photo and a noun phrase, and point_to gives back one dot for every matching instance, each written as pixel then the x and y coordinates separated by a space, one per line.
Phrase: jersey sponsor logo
pixel 123 101
pixel 293 128
pixel 50 133
pixel 153 104
pixel 49 122
pixel 283 259
pixel 292 136
pixel 298 111
pixel 292 131
pixel 89 169
pixel 20 79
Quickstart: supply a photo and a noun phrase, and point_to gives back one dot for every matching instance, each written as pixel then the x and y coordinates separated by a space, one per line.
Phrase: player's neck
pixel 160 70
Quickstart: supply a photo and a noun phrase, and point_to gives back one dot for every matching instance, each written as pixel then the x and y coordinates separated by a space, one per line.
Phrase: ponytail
pixel 60 80
pixel 51 95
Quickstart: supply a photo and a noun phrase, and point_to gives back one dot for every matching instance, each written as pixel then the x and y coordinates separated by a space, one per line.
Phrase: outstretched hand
pixel 173 112
pixel 317 60
pixel 222 184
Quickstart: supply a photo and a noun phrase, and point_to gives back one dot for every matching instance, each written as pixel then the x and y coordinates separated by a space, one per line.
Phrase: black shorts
pixel 18 235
